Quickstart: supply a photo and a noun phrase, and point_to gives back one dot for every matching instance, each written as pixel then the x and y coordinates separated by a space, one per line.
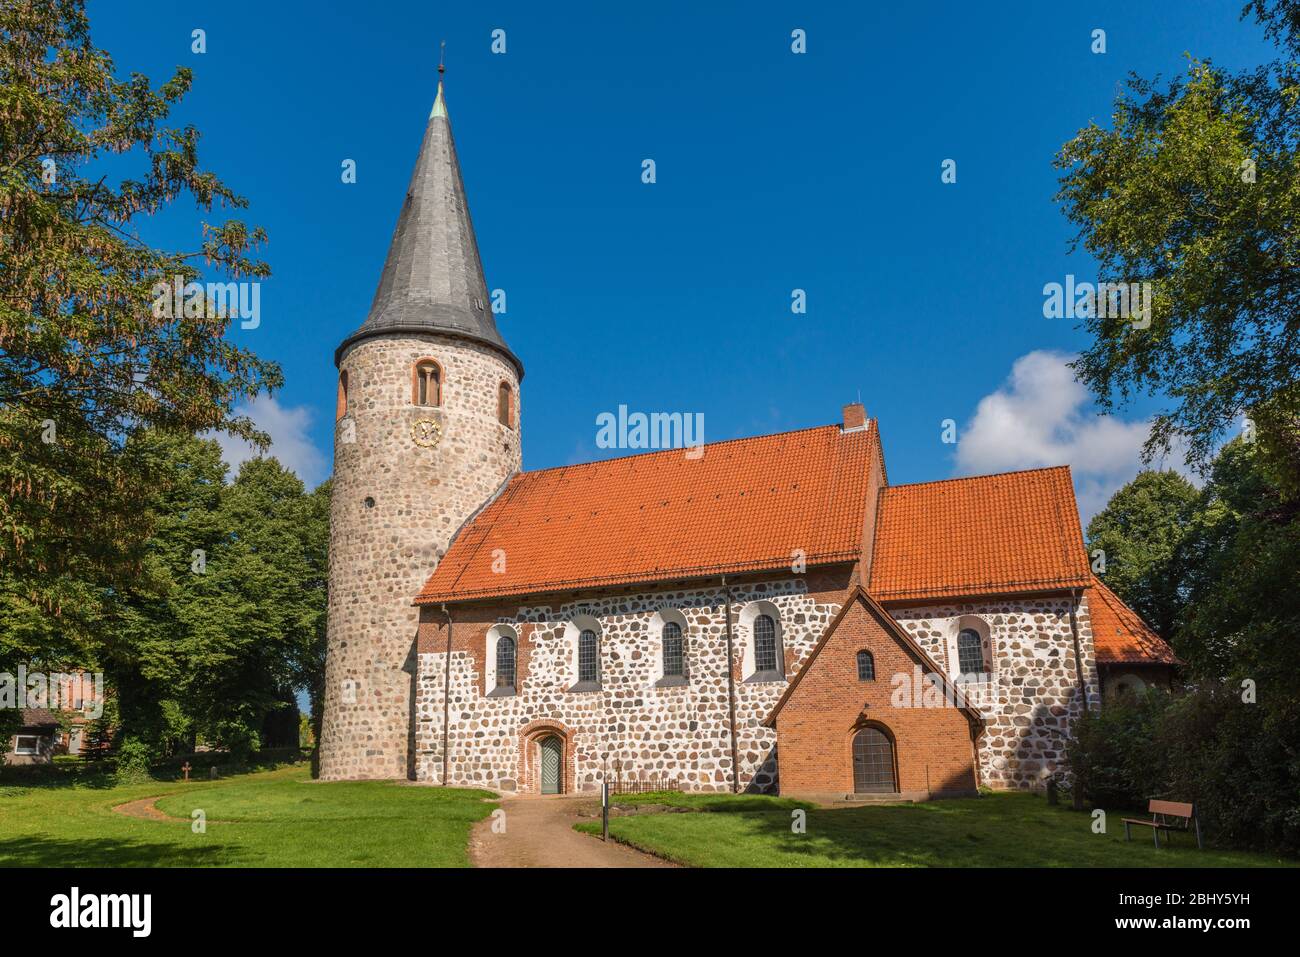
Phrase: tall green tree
pixel 1241 565
pixel 1195 188
pixel 1140 532
pixel 85 360
pixel 1231 745
pixel 228 623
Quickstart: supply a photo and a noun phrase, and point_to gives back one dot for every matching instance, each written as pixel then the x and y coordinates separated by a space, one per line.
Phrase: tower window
pixel 505 403
pixel 428 383
pixel 342 407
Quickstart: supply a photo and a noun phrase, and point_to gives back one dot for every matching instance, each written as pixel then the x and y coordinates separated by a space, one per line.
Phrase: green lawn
pixel 277 818
pixel 999 830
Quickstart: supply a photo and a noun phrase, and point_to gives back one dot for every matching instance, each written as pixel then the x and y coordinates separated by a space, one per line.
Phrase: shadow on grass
pixel 998 831
pixel 41 851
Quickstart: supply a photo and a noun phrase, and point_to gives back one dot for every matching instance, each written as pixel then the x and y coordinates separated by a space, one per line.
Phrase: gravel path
pixel 539 833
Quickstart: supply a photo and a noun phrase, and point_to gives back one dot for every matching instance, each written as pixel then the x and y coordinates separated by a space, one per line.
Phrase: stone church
pixel 761 614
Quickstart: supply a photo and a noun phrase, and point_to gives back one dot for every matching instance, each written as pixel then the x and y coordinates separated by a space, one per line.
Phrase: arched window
pixel 505 662
pixel 505 412
pixel 970 652
pixel 342 407
pixel 764 643
pixel 866 666
pixel 673 661
pixel 588 660
pixel 428 383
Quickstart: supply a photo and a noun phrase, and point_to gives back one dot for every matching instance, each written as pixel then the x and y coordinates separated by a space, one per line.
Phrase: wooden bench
pixel 1166 816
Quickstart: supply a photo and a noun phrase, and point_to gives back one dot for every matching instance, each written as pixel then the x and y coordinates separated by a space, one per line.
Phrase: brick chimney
pixel 855 417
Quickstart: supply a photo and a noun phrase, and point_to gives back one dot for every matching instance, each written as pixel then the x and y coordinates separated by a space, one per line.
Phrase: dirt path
pixel 539 833
pixel 146 809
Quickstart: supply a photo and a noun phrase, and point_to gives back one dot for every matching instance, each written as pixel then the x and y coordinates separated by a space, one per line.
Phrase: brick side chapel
pixel 762 614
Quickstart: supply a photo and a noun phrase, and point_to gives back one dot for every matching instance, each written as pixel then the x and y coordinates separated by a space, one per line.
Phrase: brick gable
pixel 827 704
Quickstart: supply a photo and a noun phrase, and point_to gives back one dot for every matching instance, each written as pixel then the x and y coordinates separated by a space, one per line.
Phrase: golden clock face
pixel 426 433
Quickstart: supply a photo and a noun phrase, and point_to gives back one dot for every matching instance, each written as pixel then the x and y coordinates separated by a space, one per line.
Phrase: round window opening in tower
pixel 369 502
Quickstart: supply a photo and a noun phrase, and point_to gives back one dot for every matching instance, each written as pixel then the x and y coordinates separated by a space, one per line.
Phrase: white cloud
pixel 288 428
pixel 1042 416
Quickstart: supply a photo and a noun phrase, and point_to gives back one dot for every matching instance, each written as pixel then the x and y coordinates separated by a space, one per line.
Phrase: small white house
pixel 35 740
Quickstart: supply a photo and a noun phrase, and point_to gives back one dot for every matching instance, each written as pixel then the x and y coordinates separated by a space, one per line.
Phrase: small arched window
pixel 505 663
pixel 866 666
pixel 588 658
pixel 505 405
pixel 970 652
pixel 764 643
pixel 428 383
pixel 673 659
pixel 342 408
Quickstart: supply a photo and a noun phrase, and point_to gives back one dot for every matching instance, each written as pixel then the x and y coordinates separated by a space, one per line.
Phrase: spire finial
pixel 439 105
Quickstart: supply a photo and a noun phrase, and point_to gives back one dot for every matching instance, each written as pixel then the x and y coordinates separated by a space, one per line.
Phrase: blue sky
pixel 775 171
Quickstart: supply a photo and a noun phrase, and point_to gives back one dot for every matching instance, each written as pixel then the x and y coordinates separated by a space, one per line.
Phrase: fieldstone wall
pixel 681 732
pixel 398 497
pixel 1031 696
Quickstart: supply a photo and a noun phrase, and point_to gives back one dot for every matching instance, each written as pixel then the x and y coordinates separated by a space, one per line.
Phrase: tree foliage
pixel 84 361
pixel 230 620
pixel 1140 531
pixel 1230 566
pixel 1195 188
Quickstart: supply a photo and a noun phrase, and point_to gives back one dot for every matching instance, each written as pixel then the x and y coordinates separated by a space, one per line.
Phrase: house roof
pixel 886 620
pixel 432 280
pixel 988 535
pixel 38 718
pixel 1120 636
pixel 743 505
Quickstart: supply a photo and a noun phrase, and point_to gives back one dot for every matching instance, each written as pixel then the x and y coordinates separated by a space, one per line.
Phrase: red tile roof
pixel 744 505
pixel 1119 636
pixel 993 534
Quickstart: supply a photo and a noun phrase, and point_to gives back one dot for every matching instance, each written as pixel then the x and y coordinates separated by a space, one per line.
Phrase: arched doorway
pixel 873 762
pixel 552 749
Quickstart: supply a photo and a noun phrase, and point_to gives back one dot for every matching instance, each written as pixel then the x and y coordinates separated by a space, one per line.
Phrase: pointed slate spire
pixel 433 277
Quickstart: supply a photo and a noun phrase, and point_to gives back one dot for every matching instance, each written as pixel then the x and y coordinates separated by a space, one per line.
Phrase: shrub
pixel 133 759
pixel 1239 763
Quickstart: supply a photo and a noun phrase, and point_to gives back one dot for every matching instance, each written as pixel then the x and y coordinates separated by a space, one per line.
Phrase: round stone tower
pixel 427 431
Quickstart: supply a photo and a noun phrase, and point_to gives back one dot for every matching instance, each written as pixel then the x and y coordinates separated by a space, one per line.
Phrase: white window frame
pixel 656 646
pixel 494 635
pixel 36 744
pixel 572 631
pixel 751 611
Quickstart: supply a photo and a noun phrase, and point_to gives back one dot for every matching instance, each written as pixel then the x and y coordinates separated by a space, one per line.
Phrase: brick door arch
pixel 531 737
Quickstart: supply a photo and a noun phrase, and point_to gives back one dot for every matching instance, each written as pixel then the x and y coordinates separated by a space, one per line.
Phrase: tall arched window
pixel 588 658
pixel 505 403
pixel 866 666
pixel 764 643
pixel 342 408
pixel 673 659
pixel 970 652
pixel 428 383
pixel 505 662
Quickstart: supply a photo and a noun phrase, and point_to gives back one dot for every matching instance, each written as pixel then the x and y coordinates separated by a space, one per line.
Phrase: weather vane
pixel 442 56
